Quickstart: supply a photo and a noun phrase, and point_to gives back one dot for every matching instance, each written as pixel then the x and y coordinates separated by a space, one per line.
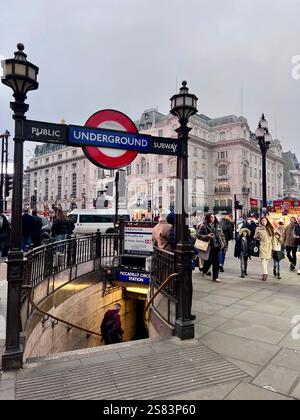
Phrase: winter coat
pixel 239 250
pixel 289 239
pixel 161 235
pixel 27 225
pixel 60 227
pixel 37 226
pixel 297 234
pixel 4 234
pixel 265 239
pixel 227 228
pixel 218 241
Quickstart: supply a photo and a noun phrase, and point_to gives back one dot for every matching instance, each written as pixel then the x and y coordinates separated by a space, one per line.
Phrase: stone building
pixel 224 160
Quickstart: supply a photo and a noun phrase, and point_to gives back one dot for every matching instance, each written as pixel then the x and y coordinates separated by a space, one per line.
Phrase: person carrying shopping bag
pixel 212 233
pixel 264 234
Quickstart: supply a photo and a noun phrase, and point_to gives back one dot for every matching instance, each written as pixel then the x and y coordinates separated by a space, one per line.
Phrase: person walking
pixel 27 229
pixel 277 253
pixel 111 328
pixel 290 243
pixel 60 226
pixel 264 234
pixel 161 234
pixel 36 229
pixel 211 232
pixel 4 236
pixel 228 229
pixel 242 249
pixel 297 239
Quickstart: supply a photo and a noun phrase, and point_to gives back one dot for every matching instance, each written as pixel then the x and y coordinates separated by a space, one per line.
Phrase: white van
pixel 89 221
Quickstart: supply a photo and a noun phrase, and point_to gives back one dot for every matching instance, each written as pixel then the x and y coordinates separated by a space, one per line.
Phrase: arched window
pixel 222 170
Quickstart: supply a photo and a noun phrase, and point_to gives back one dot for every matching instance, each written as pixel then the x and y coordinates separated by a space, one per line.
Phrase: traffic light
pixel 8 184
pixel 238 206
pixel 105 203
pixel 149 206
pixel 33 201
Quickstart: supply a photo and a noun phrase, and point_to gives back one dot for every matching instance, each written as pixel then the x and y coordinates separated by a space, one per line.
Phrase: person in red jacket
pixel 111 328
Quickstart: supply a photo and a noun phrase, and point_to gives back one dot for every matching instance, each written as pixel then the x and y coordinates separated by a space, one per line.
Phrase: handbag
pixel 255 249
pixel 202 245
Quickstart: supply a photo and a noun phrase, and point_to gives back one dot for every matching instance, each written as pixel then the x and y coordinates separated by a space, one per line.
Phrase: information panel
pixel 138 240
pixel 132 276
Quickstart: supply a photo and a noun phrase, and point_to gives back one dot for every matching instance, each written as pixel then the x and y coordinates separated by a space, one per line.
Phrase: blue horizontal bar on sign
pixel 84 136
pixel 132 276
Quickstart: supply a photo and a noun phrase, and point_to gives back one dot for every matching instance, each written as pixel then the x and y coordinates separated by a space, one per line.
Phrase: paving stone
pixel 218 392
pixel 251 392
pixel 279 378
pixel 213 321
pixel 240 348
pixel 201 330
pixel 251 331
pixel 288 358
pixel 279 323
pixel 250 368
pixel 221 300
pixel 296 391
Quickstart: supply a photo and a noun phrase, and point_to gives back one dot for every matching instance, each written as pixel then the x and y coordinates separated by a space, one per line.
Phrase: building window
pixel 141 127
pixel 35 163
pixel 59 186
pixel 250 172
pixel 255 189
pixel 138 169
pixel 74 166
pixel 143 166
pixel 35 183
pixel 47 160
pixel 195 151
pixel 222 170
pixel 160 186
pixel 255 172
pixel 59 156
pixel 160 168
pixel 223 155
pixel 74 185
pixel 74 152
pixel 245 174
pixel 46 188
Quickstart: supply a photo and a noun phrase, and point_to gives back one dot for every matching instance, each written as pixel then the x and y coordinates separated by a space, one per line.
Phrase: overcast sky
pixel 128 55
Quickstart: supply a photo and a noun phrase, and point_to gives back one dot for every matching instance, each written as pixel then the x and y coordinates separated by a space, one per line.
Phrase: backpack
pixel 109 331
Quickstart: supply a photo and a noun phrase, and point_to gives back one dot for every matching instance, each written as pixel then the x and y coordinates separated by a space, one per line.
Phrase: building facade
pixel 224 160
pixel 63 175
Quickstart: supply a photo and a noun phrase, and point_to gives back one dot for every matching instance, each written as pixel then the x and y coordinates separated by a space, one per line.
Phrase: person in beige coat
pixel 161 234
pixel 264 234
pixel 290 243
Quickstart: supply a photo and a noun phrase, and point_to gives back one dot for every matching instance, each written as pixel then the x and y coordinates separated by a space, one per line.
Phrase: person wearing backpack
pixel 111 328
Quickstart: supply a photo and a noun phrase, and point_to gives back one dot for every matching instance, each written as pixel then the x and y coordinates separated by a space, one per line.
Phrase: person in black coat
pixel 4 236
pixel 242 249
pixel 37 229
pixel 228 229
pixel 27 230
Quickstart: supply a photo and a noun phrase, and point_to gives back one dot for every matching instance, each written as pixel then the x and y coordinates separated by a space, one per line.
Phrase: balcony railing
pixel 222 190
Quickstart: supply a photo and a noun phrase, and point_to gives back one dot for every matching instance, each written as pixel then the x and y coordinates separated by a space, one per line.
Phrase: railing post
pixel 98 244
pixel 71 251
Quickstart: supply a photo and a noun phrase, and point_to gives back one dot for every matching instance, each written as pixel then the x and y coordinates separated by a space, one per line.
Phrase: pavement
pixel 246 346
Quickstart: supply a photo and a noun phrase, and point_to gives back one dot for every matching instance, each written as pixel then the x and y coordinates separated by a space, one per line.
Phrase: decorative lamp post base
pixel 184 330
pixel 12 360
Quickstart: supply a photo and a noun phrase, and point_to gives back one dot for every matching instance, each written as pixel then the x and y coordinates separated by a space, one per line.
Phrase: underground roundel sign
pixel 105 157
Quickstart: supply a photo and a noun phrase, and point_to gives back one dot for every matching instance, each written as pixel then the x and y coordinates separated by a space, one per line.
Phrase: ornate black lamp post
pixel 183 106
pixel 264 139
pixel 21 76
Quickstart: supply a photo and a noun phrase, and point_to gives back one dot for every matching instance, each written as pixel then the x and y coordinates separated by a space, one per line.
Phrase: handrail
pixel 158 290
pixel 59 319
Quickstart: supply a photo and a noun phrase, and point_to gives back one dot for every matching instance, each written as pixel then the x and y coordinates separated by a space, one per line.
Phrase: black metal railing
pixel 47 260
pixel 163 265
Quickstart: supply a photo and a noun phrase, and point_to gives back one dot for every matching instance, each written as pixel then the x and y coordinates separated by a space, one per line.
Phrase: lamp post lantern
pixel 21 76
pixel 183 106
pixel 264 140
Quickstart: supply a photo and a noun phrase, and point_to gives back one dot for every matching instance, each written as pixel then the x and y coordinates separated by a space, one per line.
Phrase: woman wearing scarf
pixel 264 234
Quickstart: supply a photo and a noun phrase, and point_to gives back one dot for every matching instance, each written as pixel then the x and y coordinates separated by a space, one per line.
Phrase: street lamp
pixel 183 106
pixel 21 76
pixel 264 140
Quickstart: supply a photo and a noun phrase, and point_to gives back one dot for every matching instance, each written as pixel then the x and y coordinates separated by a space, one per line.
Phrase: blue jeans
pixel 26 241
pixel 277 266
pixel 222 257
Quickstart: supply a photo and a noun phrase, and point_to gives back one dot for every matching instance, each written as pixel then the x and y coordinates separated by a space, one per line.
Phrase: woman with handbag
pixel 264 234
pixel 211 233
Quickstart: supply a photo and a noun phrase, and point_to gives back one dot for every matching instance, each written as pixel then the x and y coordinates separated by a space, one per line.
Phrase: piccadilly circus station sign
pixel 109 138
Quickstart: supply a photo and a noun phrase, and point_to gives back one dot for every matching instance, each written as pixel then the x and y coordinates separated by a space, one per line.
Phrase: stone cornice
pixel 53 164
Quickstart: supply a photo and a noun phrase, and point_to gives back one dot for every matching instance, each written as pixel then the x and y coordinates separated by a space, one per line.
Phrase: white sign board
pixel 138 240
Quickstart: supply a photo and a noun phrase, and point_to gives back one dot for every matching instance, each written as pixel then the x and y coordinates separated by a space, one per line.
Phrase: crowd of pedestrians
pixel 255 239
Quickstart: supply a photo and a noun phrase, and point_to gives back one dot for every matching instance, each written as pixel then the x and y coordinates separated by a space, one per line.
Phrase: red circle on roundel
pixel 97 155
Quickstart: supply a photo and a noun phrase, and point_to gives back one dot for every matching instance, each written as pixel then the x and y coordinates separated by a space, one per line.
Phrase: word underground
pixel 90 137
